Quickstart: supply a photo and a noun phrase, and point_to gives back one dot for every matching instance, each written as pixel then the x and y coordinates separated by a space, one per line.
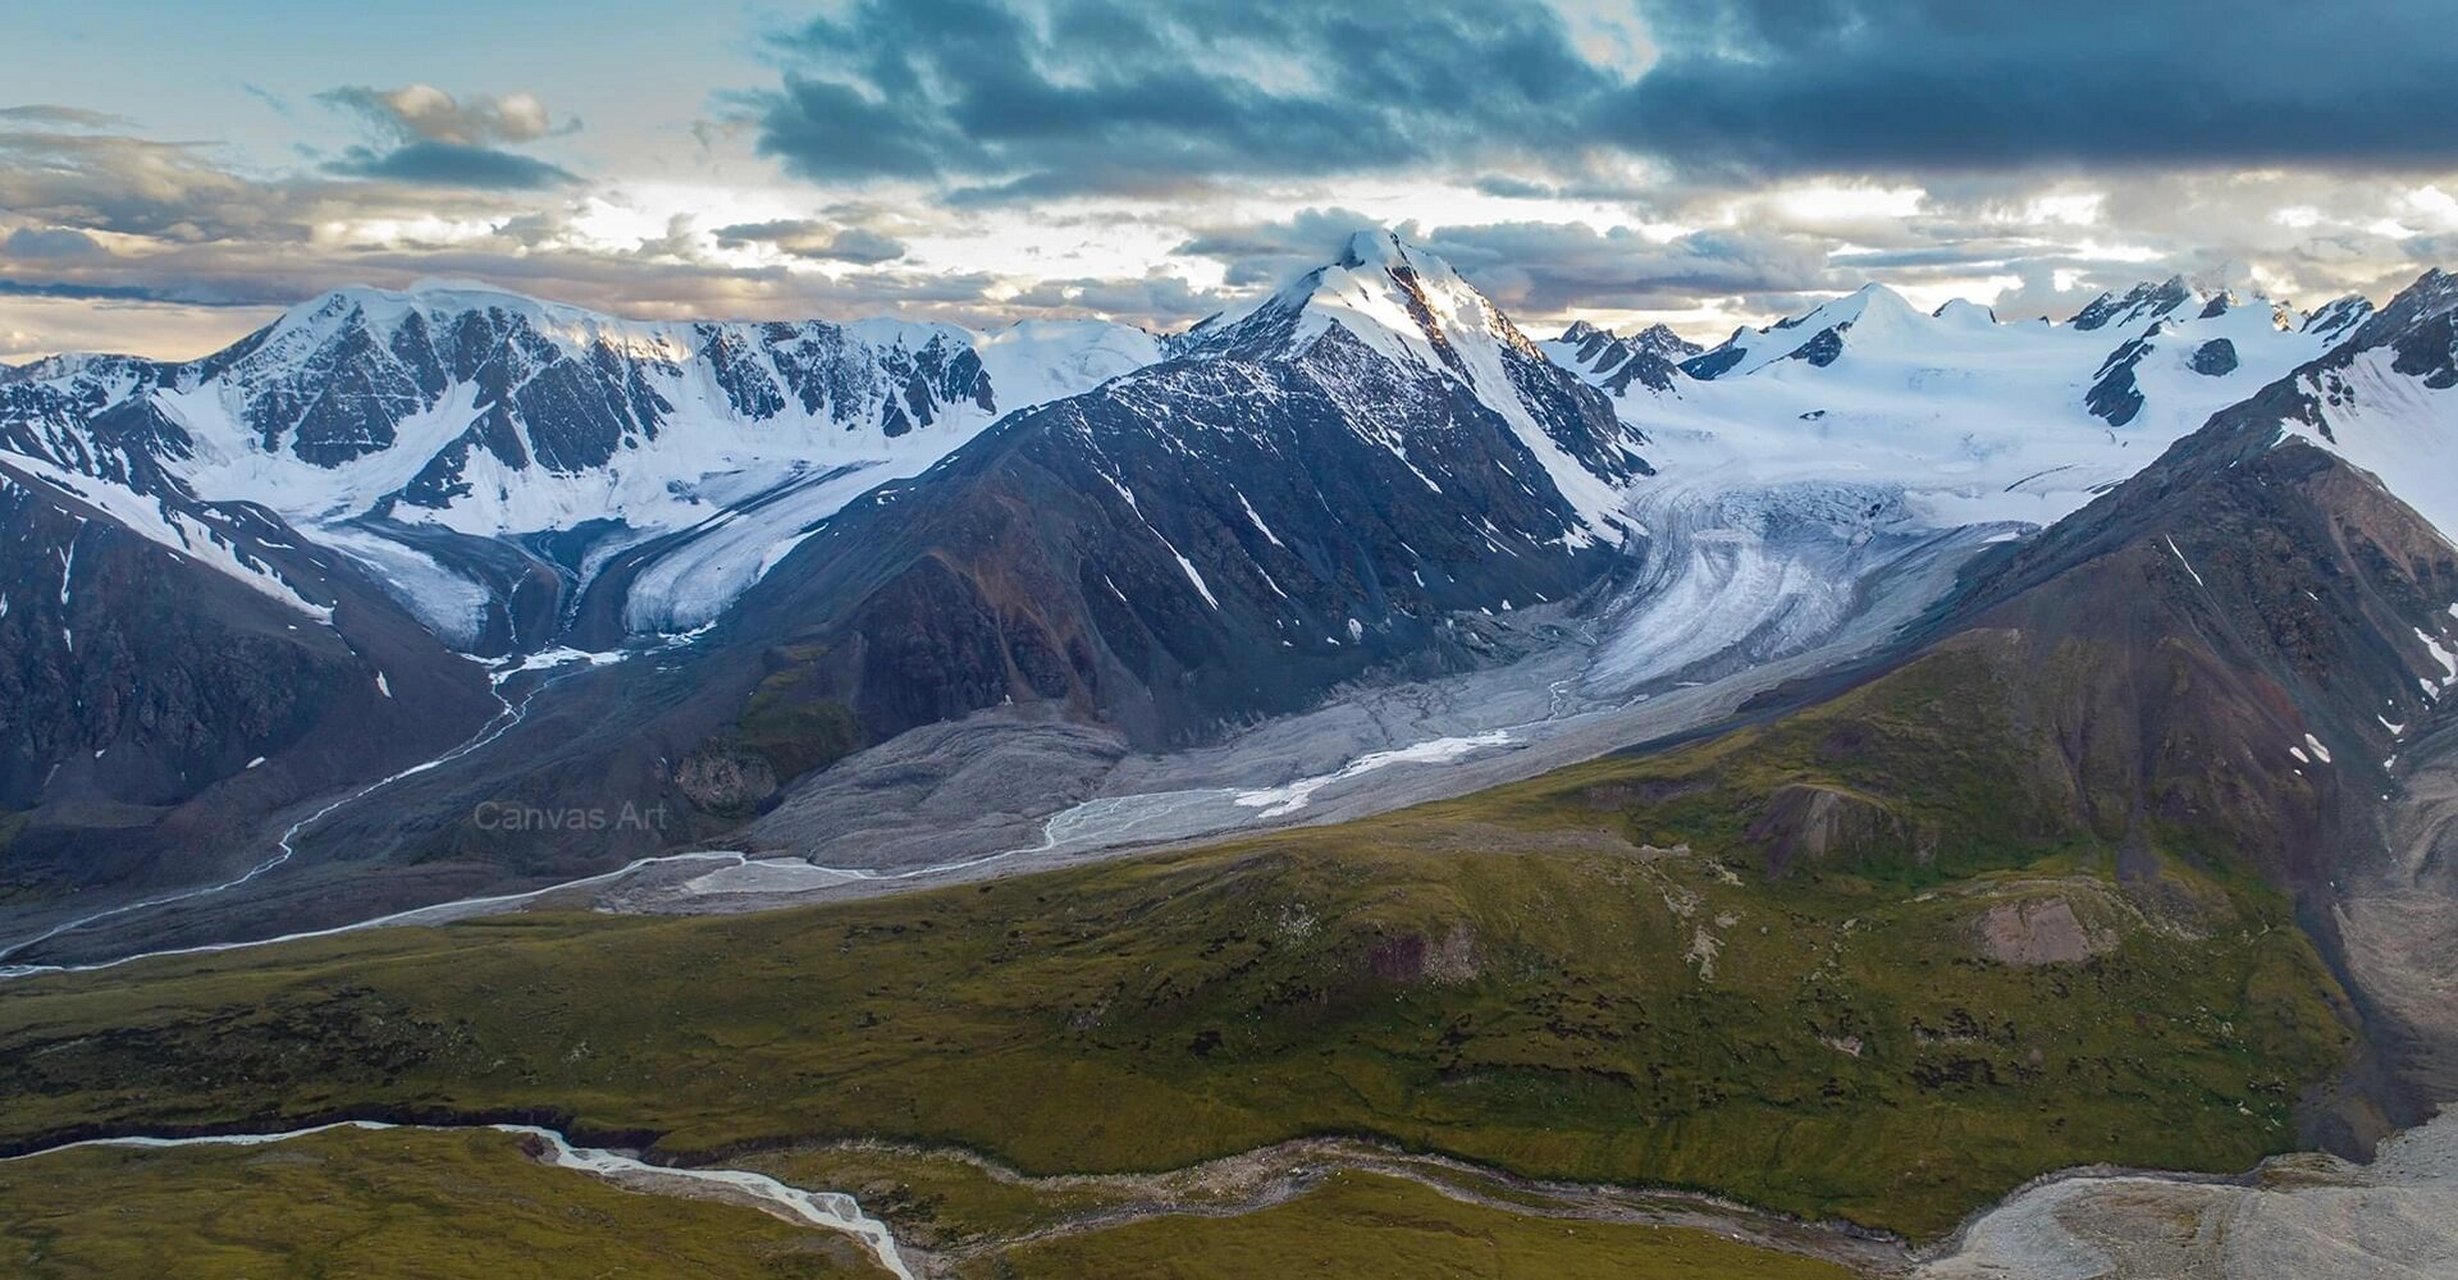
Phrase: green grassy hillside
pixel 1363 1225
pixel 1591 976
pixel 438 1206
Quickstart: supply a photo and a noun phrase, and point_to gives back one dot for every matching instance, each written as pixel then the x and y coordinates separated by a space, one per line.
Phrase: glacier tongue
pixel 1799 463
pixel 1738 577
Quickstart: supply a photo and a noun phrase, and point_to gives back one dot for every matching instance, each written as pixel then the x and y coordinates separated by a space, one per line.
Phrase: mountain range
pixel 1854 768
pixel 287 614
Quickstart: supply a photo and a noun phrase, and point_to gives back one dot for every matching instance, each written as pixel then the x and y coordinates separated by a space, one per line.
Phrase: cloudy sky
pixel 172 174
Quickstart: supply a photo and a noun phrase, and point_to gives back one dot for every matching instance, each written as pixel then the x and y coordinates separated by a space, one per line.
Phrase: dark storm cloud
pixel 1957 254
pixel 1271 253
pixel 1072 96
pixel 815 240
pixel 82 292
pixel 1906 85
pixel 29 243
pixel 1158 302
pixel 1019 99
pixel 451 164
pixel 1513 188
pixel 432 138
pixel 1545 268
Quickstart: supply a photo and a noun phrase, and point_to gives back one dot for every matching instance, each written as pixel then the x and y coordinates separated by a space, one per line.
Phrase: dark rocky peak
pixel 2418 326
pixel 1656 338
pixel 1649 358
pixel 1664 343
pixel 1594 347
pixel 2433 296
pixel 2338 317
pixel 2116 394
pixel 895 379
pixel 333 380
pixel 1824 349
pixel 1383 299
pixel 123 441
pixel 1718 360
pixel 92 415
pixel 2142 302
pixel 2215 358
pixel 1714 364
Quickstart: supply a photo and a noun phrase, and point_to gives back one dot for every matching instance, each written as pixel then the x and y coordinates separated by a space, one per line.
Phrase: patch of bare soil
pixel 2039 932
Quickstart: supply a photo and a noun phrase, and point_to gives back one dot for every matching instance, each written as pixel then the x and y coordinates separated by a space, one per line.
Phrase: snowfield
pixel 1800 461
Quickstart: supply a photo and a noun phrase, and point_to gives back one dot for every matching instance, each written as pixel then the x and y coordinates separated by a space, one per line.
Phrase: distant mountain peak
pixel 2433 293
pixel 2338 317
pixel 2421 326
pixel 1650 358
pixel 1413 309
pixel 1400 299
pixel 1817 336
pixel 2145 301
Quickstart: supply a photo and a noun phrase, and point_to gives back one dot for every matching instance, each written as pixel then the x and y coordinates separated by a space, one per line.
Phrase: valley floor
pixel 1015 791
pixel 367 1199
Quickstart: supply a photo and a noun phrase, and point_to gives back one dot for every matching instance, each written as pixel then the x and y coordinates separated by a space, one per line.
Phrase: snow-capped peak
pixel 1650 358
pixel 1400 300
pixel 2385 397
pixel 1966 313
pixel 440 296
pixel 1871 305
pixel 1872 315
pixel 1414 310
pixel 2147 302
pixel 2338 317
pixel 456 404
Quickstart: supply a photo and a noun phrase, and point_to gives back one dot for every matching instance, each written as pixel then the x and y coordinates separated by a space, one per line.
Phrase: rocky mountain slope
pixel 174 673
pixel 873 527
pixel 1347 482
pixel 1298 496
pixel 2234 663
pixel 495 459
pixel 244 581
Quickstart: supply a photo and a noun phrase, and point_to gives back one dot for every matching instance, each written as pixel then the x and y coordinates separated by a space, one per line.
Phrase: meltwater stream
pixel 1108 822
pixel 503 722
pixel 829 1210
pixel 1095 824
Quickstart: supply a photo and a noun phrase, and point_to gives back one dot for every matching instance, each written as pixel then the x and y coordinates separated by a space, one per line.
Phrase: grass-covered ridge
pixel 1363 1225
pixel 1589 976
pixel 438 1206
